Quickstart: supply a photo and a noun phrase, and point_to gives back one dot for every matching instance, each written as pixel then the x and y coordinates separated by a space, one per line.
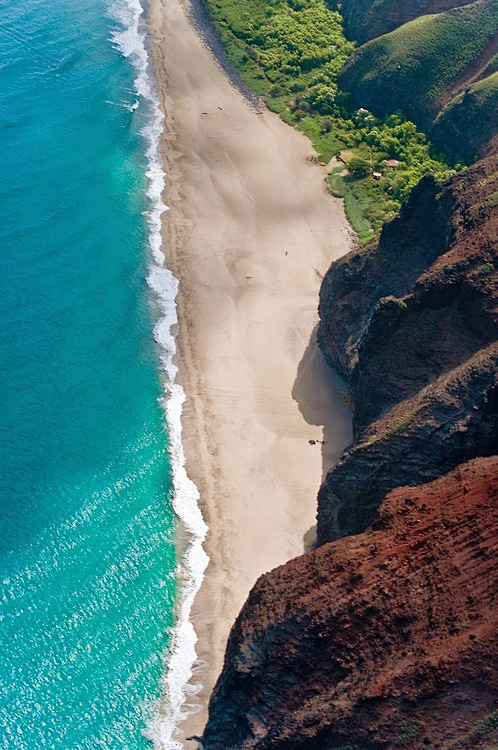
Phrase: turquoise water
pixel 86 535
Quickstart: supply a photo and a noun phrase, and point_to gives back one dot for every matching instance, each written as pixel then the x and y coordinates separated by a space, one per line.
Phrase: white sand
pixel 250 233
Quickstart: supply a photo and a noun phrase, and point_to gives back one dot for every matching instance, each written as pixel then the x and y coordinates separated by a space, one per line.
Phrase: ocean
pixel 95 642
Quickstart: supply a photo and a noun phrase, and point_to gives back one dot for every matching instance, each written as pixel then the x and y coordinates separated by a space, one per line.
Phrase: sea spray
pixel 181 656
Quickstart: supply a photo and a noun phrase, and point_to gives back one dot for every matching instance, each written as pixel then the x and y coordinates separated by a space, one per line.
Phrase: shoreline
pixel 131 39
pixel 250 232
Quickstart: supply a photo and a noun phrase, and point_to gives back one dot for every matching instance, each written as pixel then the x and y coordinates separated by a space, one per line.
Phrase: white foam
pixel 179 663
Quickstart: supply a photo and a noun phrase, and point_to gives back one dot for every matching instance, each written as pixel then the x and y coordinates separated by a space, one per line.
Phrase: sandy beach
pixel 250 233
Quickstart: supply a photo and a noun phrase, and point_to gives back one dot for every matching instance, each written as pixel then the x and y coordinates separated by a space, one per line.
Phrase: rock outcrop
pixel 412 322
pixel 382 640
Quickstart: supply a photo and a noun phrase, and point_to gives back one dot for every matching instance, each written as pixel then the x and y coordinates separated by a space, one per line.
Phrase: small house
pixel 377 175
pixel 393 163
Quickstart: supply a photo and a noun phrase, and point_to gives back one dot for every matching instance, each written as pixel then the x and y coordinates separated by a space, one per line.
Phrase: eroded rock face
pixel 413 324
pixel 423 300
pixel 382 640
pixel 450 421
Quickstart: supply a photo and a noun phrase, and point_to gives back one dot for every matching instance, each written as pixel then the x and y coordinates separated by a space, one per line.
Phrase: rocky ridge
pixel 475 112
pixel 412 322
pixel 331 650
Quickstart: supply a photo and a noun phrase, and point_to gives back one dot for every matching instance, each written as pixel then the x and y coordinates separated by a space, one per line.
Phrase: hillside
pixel 421 66
pixel 366 19
pixel 331 650
pixel 475 113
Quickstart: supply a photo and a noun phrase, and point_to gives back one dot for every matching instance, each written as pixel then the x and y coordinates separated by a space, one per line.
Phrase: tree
pixel 321 98
pixel 358 166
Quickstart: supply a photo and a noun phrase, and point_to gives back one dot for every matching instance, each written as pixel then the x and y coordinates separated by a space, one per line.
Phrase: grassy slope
pixel 367 19
pixel 475 113
pixel 415 66
pixel 291 52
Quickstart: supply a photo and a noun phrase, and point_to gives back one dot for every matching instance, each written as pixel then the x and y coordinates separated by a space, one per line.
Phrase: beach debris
pixel 312 442
pixel 220 108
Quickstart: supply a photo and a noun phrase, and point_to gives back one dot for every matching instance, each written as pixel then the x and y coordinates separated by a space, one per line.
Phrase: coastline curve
pixel 179 660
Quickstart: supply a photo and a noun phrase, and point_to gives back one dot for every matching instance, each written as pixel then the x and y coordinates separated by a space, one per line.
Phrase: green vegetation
pixel 420 65
pixel 291 53
pixel 409 731
pixel 366 19
pixel 473 113
pixel 406 420
pixel 400 425
pixel 357 203
pixel 493 200
pixel 278 42
pixel 484 269
pixel 486 728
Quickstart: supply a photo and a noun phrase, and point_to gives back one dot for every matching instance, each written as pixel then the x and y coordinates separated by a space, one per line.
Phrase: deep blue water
pixel 86 525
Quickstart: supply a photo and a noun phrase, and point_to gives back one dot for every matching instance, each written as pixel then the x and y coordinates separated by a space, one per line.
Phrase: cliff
pixel 412 322
pixel 385 635
pixel 332 650
pixel 423 66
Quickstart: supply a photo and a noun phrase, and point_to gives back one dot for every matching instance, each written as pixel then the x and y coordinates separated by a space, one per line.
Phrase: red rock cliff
pixel 382 640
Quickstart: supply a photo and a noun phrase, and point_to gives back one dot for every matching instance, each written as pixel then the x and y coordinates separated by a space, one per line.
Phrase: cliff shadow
pixel 321 396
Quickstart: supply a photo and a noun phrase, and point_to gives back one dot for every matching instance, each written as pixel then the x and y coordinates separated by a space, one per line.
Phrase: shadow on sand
pixel 320 395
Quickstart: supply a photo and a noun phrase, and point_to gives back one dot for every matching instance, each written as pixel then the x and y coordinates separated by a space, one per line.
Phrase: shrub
pixel 358 166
